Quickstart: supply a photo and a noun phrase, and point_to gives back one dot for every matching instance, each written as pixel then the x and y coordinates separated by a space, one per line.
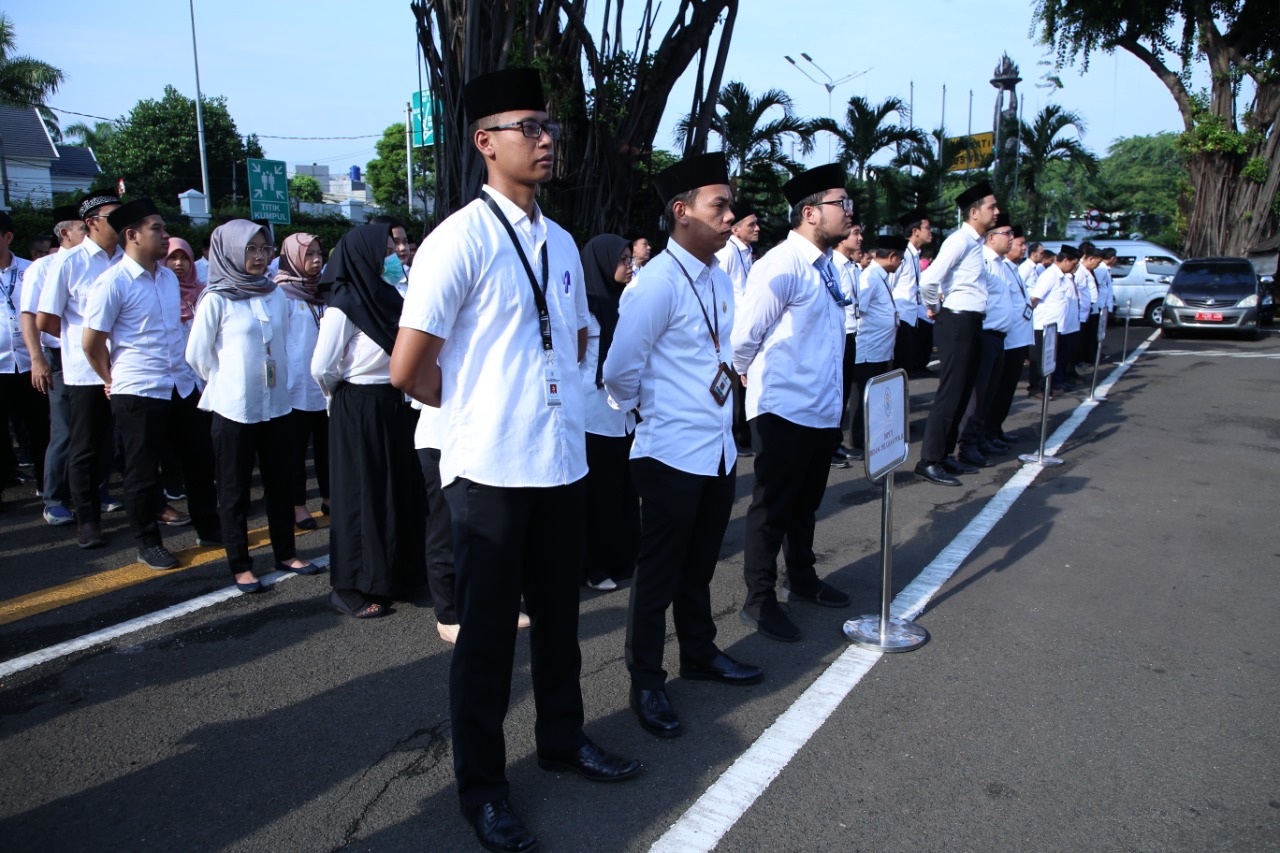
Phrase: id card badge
pixel 1027 312
pixel 551 385
pixel 269 372
pixel 722 385
pixel 896 319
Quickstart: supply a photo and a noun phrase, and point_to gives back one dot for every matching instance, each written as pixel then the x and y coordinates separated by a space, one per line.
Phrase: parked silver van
pixel 1142 274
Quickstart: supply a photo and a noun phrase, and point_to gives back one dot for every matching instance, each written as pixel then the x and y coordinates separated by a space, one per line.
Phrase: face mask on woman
pixel 392 269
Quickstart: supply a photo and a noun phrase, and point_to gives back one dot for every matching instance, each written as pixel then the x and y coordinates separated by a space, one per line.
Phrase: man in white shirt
pixel 202 262
pixel 641 251
pixel 1030 267
pixel 845 259
pixel 735 259
pixel 1016 344
pixel 61 313
pixel 492 329
pixel 954 287
pixel 136 306
pixel 1087 343
pixel 1106 304
pixel 878 324
pixel 906 292
pixel 788 346
pixel 18 397
pixel 46 365
pixel 669 358
pixel 998 322
pixel 1053 302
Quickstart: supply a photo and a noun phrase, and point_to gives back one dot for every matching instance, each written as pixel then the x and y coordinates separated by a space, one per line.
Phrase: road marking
pixel 101 583
pixel 88 641
pixel 702 826
pixel 1216 353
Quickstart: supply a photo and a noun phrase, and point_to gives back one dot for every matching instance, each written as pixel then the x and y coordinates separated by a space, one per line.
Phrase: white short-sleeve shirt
pixel 304 328
pixel 64 294
pixel 32 283
pixel 14 357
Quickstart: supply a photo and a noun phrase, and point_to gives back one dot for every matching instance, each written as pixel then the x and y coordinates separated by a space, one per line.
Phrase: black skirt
pixel 377 530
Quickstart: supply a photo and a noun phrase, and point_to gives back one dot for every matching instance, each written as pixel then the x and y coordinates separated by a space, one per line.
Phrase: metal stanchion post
pixel 1124 351
pixel 1097 355
pixel 885 440
pixel 1048 360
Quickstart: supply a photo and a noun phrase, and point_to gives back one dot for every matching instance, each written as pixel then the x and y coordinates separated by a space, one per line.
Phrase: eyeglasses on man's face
pixel 531 128
pixel 846 204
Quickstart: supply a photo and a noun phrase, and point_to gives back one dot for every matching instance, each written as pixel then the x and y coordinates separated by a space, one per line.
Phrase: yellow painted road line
pixel 101 583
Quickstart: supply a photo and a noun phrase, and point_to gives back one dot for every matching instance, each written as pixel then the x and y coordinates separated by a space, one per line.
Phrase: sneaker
pixel 110 504
pixel 157 557
pixel 58 515
pixel 606 585
pixel 175 495
pixel 769 619
pixel 211 541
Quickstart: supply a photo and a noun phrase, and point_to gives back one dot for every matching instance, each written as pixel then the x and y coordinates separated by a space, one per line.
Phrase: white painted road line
pixel 106 635
pixel 719 808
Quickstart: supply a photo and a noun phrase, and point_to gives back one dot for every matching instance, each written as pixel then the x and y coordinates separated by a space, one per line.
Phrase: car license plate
pixel 1210 316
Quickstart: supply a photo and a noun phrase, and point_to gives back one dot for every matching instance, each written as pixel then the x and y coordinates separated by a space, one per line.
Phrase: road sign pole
pixel 1128 310
pixel 408 152
pixel 885 435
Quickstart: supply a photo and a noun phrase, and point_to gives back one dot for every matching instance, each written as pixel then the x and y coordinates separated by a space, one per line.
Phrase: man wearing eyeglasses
pixel 61 313
pixel 493 327
pixel 788 346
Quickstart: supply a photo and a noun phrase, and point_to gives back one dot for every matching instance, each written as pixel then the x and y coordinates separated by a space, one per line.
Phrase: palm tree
pixel 1042 143
pixel 865 134
pixel 746 137
pixel 90 137
pixel 26 82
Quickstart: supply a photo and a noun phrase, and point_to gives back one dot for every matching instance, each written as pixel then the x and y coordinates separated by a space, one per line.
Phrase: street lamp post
pixel 830 86
pixel 204 162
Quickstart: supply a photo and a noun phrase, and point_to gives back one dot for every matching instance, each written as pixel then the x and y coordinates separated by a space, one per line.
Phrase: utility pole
pixel 408 152
pixel 204 162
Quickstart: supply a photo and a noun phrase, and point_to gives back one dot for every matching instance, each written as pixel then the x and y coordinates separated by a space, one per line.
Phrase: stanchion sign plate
pixel 884 410
pixel 1049 352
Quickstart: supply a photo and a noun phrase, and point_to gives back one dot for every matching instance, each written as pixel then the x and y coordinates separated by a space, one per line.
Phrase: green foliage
pixel 1213 134
pixel 386 173
pixel 753 130
pixel 1139 184
pixel 305 188
pixel 866 131
pixel 156 149
pixel 25 81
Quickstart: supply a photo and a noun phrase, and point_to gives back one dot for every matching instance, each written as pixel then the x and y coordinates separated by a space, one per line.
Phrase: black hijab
pixel 354 284
pixel 599 262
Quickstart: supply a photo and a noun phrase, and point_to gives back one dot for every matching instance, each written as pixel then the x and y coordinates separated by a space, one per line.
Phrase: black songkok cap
pixel 1002 220
pixel 977 192
pixel 66 213
pixel 503 91
pixel 911 217
pixel 741 210
pixel 701 170
pixel 93 202
pixel 1068 253
pixel 1018 232
pixel 891 243
pixel 130 213
pixel 817 180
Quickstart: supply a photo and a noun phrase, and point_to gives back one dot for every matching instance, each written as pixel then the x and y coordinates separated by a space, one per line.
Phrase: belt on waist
pixel 379 389
pixel 996 332
pixel 967 313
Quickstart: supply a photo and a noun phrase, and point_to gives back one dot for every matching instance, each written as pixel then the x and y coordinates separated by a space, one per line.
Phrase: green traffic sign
pixel 420 116
pixel 268 191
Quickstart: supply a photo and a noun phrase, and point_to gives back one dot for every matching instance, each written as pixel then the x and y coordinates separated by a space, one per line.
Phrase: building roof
pixel 24 134
pixel 75 162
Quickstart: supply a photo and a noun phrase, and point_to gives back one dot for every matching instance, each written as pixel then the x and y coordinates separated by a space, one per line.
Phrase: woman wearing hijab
pixel 613 507
pixel 238 347
pixel 301 259
pixel 181 261
pixel 376 538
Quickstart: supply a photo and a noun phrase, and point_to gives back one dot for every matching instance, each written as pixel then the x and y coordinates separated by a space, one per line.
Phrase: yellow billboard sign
pixel 971 152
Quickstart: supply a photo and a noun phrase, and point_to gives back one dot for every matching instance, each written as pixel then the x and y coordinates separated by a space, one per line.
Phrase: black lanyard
pixel 824 272
pixel 13 283
pixel 915 266
pixel 539 296
pixel 714 329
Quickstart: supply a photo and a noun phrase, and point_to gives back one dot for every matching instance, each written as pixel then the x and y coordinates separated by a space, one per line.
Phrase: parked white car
pixel 1142 276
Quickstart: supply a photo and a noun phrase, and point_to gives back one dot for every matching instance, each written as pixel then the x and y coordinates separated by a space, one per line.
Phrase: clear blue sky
pixel 339 68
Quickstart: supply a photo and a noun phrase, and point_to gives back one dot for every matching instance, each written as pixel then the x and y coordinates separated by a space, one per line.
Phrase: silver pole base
pixel 899 636
pixel 1043 461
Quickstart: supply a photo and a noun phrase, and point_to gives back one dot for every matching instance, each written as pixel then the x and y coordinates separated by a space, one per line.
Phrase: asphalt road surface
pixel 1103 671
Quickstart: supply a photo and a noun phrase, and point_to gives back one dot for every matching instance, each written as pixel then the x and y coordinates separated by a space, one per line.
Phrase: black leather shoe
pixel 993 446
pixel 970 456
pixel 854 454
pixel 935 473
pixel 721 668
pixel 1009 438
pixel 952 466
pixel 769 619
pixel 592 762
pixel 653 709
pixel 838 461
pixel 89 535
pixel 497 828
pixel 824 594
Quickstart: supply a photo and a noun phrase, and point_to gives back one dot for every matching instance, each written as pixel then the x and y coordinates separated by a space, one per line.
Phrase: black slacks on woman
pixel 439 540
pixel 613 510
pixel 236 447
pixel 376 533
pixel 309 428
pixel 684 518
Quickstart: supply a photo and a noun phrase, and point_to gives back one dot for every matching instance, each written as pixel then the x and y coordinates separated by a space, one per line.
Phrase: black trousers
pixel 1035 376
pixel 990 365
pixel 741 429
pixel 309 428
pixel 846 378
pixel 236 447
pixel 27 406
pixel 923 344
pixel 377 533
pixel 1065 363
pixel 439 540
pixel 792 463
pixel 862 373
pixel 613 510
pixel 90 451
pixel 1088 347
pixel 957 335
pixel 684 517
pixel 508 542
pixel 1006 388
pixel 904 346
